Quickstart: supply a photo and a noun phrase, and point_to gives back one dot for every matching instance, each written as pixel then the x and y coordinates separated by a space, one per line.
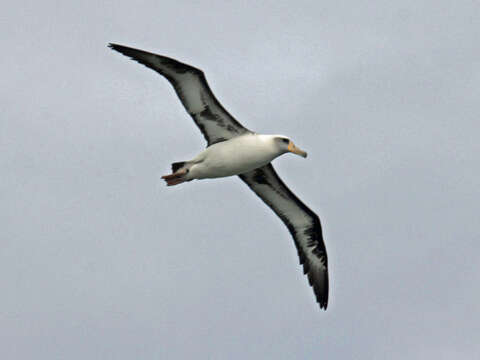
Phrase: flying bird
pixel 232 149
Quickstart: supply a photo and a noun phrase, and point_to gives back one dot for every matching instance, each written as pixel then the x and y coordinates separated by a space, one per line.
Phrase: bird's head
pixel 287 145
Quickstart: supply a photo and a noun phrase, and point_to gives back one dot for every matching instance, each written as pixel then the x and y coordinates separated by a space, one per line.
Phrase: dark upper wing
pixel 303 223
pixel 192 88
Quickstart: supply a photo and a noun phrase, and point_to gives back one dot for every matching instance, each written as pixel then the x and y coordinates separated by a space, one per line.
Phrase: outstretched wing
pixel 192 88
pixel 303 224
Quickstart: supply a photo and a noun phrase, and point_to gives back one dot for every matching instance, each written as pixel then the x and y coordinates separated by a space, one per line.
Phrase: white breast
pixel 235 156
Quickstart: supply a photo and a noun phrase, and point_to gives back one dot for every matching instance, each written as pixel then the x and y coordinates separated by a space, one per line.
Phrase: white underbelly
pixel 232 157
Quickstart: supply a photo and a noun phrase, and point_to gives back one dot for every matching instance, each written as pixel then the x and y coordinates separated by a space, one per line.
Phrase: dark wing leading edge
pixel 303 224
pixel 192 88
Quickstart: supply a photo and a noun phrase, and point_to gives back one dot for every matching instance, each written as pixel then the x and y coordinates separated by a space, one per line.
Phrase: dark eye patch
pixel 286 141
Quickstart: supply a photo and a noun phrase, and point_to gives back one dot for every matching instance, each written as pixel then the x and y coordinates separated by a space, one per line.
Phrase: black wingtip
pixel 133 54
pixel 116 47
pixel 323 298
pixel 320 289
pixel 123 49
pixel 322 301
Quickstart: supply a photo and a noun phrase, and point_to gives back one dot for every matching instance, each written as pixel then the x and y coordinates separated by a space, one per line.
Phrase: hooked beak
pixel 293 149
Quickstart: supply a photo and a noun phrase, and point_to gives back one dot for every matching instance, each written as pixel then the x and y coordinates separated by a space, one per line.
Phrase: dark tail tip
pixel 177 165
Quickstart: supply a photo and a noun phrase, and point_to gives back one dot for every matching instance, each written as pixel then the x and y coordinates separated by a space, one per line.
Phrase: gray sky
pixel 99 260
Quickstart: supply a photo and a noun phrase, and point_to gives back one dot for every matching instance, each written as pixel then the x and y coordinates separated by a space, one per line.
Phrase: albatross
pixel 233 149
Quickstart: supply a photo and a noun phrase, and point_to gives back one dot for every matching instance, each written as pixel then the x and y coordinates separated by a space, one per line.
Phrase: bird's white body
pixel 234 156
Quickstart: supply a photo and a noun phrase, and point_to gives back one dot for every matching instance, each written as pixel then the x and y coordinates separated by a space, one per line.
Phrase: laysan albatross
pixel 232 149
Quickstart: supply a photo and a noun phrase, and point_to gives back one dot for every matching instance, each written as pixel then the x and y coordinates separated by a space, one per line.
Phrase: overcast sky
pixel 99 260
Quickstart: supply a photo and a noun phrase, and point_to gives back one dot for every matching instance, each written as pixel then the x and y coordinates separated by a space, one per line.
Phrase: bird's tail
pixel 178 176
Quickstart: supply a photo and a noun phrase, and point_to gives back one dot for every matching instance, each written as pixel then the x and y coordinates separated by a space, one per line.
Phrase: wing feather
pixel 192 88
pixel 303 224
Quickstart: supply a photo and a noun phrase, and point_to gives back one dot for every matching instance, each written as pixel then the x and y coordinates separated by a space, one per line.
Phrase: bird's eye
pixel 286 141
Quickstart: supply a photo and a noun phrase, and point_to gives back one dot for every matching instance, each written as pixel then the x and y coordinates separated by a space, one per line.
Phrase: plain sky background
pixel 99 260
